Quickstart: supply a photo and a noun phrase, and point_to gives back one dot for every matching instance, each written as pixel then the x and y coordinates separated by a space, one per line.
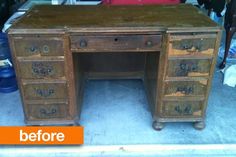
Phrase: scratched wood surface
pixel 56 17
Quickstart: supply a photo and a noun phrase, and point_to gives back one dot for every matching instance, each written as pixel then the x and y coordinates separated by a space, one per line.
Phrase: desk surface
pixel 158 16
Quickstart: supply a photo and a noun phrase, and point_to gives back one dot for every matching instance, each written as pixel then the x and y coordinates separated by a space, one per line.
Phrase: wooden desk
pixel 171 48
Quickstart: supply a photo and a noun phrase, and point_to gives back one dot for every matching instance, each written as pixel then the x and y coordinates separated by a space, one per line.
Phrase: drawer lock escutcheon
pixel 83 43
pixel 149 43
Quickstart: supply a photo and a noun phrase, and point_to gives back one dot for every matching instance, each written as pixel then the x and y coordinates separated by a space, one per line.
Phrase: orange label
pixel 63 135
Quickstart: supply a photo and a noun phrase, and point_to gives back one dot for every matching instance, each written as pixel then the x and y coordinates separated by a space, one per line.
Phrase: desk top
pixel 71 17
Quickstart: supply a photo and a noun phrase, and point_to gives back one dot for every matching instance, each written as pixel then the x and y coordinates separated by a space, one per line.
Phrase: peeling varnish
pixel 194 52
pixel 197 74
pixel 204 82
pixel 197 113
pixel 176 94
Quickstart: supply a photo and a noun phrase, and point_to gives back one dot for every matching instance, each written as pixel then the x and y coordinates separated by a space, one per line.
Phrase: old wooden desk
pixel 171 48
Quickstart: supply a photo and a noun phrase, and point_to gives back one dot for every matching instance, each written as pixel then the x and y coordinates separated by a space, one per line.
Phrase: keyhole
pixel 116 39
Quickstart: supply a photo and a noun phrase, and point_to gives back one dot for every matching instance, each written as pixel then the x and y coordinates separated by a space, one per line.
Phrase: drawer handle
pixel 83 43
pixel 184 68
pixel 44 111
pixel 45 49
pixel 191 48
pixel 185 90
pixel 44 92
pixel 185 110
pixel 149 43
pixel 188 67
pixel 33 49
pixel 41 69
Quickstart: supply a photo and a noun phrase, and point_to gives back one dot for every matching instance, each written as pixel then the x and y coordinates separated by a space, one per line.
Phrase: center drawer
pixel 45 90
pixel 82 43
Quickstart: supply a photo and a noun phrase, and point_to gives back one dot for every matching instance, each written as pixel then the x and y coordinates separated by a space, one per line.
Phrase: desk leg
pixel 199 125
pixel 157 125
pixel 229 34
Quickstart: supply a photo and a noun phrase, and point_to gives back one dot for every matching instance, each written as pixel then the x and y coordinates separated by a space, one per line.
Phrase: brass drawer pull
pixel 185 68
pixel 42 70
pixel 46 49
pixel 32 49
pixel 83 43
pixel 185 90
pixel 45 92
pixel 191 48
pixel 188 67
pixel 185 110
pixel 44 111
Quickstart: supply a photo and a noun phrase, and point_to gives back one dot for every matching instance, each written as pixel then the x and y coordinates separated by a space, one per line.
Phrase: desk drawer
pixel 192 44
pixel 41 69
pixel 188 67
pixel 193 47
pixel 186 88
pixel 44 90
pixel 116 43
pixel 182 109
pixel 39 46
pixel 47 111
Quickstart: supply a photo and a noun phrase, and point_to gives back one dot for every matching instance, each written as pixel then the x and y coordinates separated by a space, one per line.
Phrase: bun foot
pixel 157 126
pixel 199 125
pixel 222 65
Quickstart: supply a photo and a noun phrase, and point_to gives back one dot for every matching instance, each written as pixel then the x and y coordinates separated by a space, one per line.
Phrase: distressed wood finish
pixel 45 90
pixel 37 46
pixel 185 88
pixel 188 67
pixel 192 47
pixel 47 111
pixel 182 109
pixel 115 43
pixel 171 48
pixel 32 69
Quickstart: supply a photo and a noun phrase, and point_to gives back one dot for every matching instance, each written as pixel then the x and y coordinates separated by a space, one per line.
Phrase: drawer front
pixel 182 109
pixel 47 111
pixel 188 67
pixel 39 46
pixel 116 43
pixel 185 88
pixel 194 47
pixel 41 69
pixel 42 91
